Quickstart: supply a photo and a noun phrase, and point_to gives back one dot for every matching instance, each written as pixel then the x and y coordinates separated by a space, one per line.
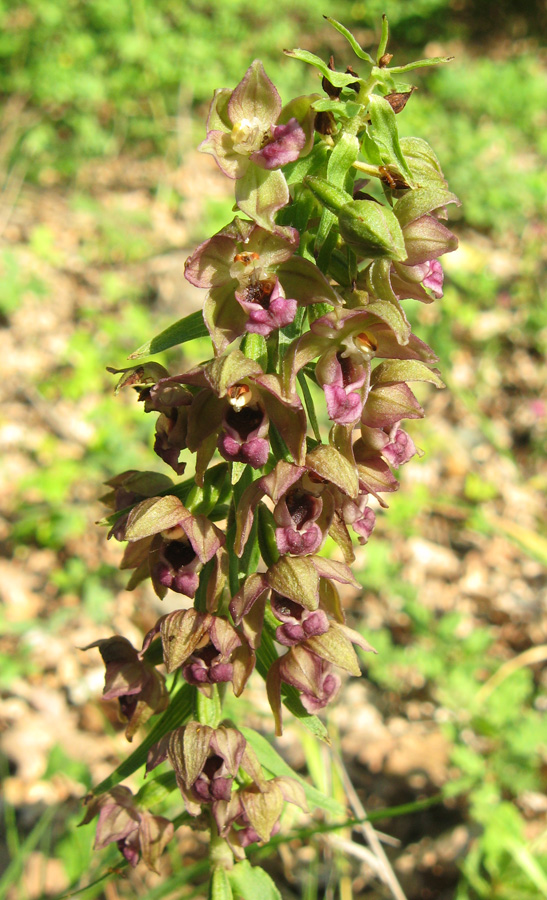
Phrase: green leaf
pixel 308 402
pixel 341 160
pixel 187 329
pixel 276 765
pixel 338 79
pixel 179 711
pixel 252 883
pixel 523 858
pixel 220 888
pixel 420 64
pixel 356 47
pixel 254 347
pixel 14 870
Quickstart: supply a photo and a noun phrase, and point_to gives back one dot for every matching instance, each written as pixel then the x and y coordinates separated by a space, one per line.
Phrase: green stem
pixel 209 709
pixel 220 853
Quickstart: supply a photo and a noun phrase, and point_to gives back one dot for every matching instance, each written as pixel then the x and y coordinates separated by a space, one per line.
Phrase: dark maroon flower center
pixel 286 607
pixel 260 292
pixel 349 372
pixel 245 420
pixel 179 554
pixel 301 506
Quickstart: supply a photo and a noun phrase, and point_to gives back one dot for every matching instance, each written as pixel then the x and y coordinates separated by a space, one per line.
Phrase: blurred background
pixel 102 197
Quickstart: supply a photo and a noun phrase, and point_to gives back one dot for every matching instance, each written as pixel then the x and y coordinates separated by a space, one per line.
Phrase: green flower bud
pixel 372 229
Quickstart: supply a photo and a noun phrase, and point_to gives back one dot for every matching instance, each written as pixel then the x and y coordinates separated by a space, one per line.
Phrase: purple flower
pixel 136 831
pixel 346 341
pixel 138 686
pixel 299 623
pixel 233 411
pixel 243 127
pixel 255 283
pixel 206 762
pixel 426 238
pixel 169 545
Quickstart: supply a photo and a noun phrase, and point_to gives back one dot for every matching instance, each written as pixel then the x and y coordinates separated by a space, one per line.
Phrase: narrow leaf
pixel 179 711
pixel 187 329
pixel 357 49
pixel 308 402
pixel 276 765
pixel 338 79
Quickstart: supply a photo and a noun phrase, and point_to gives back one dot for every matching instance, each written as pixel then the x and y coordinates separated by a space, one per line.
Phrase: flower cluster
pixel 304 307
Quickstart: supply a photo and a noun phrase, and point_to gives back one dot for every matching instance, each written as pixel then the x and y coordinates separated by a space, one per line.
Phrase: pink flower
pixel 243 127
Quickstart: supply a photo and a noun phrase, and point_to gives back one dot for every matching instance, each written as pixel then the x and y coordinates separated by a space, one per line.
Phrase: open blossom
pixel 207 647
pixel 324 496
pixel 137 686
pixel 346 342
pixel 206 762
pixel 254 281
pixel 244 126
pixel 136 831
pixel 168 544
pixel 233 410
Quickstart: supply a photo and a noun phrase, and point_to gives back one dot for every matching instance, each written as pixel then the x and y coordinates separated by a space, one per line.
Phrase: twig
pixel 385 870
pixel 528 658
pixel 358 851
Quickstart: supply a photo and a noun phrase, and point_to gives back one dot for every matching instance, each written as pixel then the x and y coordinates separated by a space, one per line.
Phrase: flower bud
pixel 372 229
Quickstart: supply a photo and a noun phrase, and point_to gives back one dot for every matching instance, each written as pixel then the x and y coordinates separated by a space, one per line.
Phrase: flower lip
pixel 179 553
pixel 260 292
pixel 302 507
pixel 244 419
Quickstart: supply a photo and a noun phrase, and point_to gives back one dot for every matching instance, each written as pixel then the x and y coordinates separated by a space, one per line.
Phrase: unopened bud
pixel 373 229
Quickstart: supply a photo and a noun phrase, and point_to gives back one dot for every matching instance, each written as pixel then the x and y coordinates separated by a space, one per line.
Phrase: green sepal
pixel 395 371
pixel 386 304
pixel 334 198
pixel 187 329
pixel 260 193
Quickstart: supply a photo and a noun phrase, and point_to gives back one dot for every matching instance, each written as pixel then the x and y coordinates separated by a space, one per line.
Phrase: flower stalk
pixel 306 286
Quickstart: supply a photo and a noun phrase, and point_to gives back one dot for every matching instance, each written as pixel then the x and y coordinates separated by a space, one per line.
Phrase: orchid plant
pixel 338 222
